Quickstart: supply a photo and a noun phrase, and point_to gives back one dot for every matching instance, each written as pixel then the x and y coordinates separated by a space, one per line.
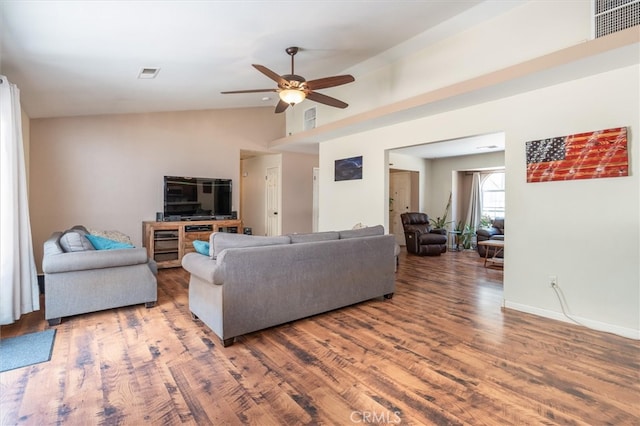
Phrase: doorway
pixel 272 191
pixel 403 198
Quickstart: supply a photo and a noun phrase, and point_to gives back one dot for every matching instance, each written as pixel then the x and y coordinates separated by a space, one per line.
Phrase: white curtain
pixel 19 281
pixel 474 212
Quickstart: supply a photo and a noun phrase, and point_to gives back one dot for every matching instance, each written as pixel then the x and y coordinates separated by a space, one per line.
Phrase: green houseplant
pixel 441 222
pixel 464 234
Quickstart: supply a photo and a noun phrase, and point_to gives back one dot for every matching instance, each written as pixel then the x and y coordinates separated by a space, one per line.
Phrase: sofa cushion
pixel 220 241
pixel 75 240
pixel 201 247
pixel 101 243
pixel 362 232
pixel 314 236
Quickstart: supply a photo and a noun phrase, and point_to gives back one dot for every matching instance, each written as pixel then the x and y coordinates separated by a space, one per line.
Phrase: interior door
pixel 316 199
pixel 272 202
pixel 400 193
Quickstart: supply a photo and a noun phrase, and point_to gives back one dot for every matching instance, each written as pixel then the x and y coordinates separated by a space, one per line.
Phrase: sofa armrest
pixel 486 233
pixel 93 259
pixel 202 266
pixel 412 239
pixel 438 231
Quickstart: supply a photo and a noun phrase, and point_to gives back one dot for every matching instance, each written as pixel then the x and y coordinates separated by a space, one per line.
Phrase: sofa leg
pixel 54 321
pixel 227 342
pixel 149 304
pixel 388 296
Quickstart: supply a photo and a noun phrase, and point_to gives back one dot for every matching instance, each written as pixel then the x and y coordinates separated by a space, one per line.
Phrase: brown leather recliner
pixel 420 238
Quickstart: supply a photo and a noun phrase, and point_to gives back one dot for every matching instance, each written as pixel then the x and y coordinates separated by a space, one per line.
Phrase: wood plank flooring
pixel 441 352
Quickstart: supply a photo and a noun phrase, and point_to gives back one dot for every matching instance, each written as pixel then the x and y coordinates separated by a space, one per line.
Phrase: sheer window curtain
pixel 474 212
pixel 18 276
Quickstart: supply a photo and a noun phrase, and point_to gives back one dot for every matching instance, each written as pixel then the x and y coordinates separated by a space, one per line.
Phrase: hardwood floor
pixel 441 352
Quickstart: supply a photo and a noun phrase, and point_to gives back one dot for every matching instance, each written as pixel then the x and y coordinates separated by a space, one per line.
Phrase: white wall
pixel 585 232
pixel 106 172
pixel 593 239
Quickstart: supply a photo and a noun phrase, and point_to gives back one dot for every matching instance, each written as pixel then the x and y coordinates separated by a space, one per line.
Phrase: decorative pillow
pixel 201 247
pixel 101 243
pixel 224 240
pixel 362 232
pixel 112 235
pixel 75 240
pixel 314 236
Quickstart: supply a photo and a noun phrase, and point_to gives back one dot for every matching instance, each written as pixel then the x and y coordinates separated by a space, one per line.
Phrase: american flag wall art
pixel 591 155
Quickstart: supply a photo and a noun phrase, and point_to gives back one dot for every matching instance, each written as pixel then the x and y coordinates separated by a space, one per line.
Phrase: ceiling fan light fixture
pixel 292 96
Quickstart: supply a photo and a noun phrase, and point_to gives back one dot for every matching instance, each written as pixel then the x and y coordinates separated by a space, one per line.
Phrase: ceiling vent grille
pixel 611 16
pixel 309 119
pixel 148 73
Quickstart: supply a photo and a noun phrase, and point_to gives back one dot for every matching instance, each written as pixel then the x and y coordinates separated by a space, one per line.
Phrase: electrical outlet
pixel 553 281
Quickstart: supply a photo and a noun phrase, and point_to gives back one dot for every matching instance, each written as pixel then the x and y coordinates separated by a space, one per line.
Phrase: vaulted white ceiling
pixel 83 57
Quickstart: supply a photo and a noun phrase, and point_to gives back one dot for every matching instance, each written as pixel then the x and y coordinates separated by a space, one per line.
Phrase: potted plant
pixel 440 223
pixel 464 235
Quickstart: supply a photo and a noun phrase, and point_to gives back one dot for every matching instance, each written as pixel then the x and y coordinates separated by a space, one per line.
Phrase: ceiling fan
pixel 294 89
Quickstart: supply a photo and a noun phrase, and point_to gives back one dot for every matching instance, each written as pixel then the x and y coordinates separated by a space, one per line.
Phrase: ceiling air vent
pixel 309 119
pixel 148 72
pixel 611 16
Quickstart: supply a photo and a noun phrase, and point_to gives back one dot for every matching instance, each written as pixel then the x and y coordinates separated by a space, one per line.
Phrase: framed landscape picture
pixel 348 168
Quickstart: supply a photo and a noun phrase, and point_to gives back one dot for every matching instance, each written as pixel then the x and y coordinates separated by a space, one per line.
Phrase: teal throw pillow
pixel 101 243
pixel 201 247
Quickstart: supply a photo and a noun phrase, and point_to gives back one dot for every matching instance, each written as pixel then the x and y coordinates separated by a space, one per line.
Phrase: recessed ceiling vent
pixel 611 16
pixel 148 72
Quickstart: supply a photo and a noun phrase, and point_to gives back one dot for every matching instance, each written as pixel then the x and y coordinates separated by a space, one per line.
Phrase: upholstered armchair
pixel 420 238
pixel 493 232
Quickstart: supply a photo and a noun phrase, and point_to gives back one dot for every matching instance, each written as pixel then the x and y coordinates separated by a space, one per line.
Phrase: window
pixel 492 189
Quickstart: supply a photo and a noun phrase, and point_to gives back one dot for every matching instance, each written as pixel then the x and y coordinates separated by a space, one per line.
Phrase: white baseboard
pixel 595 325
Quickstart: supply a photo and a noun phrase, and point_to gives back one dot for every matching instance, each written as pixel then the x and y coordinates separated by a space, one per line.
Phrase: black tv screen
pixel 197 198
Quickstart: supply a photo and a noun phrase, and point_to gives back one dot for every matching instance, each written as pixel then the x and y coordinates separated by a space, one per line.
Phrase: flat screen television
pixel 193 198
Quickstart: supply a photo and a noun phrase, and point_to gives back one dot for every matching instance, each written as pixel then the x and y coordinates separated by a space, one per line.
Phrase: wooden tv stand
pixel 167 242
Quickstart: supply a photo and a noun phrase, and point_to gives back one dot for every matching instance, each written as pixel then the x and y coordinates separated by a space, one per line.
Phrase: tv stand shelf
pixel 168 242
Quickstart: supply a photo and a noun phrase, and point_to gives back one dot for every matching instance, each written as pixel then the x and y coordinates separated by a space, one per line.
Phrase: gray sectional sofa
pixel 79 279
pixel 248 283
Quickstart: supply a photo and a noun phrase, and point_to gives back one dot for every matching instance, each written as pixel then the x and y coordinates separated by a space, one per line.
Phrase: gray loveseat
pixel 249 283
pixel 80 279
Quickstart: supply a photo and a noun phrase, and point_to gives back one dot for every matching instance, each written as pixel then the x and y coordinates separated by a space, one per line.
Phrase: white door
pixel 272 205
pixel 400 192
pixel 316 197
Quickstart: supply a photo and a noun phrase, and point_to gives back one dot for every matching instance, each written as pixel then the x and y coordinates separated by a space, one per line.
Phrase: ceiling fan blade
pixel 272 75
pixel 323 83
pixel 250 91
pixel 282 105
pixel 327 100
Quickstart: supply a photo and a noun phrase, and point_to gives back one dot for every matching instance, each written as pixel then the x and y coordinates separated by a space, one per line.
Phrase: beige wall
pixel 444 177
pixel 296 195
pixel 106 172
pixel 297 189
pixel 253 190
